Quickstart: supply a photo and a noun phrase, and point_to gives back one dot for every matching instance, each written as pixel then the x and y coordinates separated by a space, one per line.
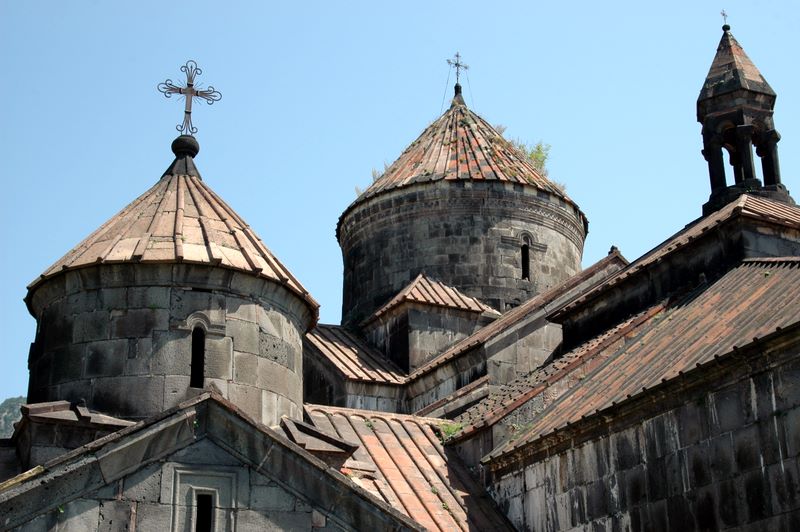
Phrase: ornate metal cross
pixel 724 16
pixel 458 65
pixel 189 92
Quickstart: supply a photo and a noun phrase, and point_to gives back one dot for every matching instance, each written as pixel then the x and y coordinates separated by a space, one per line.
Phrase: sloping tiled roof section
pixel 460 145
pixel 749 302
pixel 412 471
pixel 180 219
pixel 515 315
pixel 579 361
pixel 354 358
pixel 429 292
pixel 732 70
pixel 748 206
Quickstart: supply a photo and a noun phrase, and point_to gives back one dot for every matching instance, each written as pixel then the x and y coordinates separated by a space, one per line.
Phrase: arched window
pixel 198 357
pixel 526 258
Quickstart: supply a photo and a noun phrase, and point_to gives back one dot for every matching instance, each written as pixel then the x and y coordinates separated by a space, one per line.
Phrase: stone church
pixel 479 380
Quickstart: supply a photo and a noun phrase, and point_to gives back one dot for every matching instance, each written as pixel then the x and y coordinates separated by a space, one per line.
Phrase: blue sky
pixel 317 94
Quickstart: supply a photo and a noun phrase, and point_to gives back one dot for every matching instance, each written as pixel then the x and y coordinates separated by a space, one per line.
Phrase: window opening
pixel 198 357
pixel 205 512
pixel 526 262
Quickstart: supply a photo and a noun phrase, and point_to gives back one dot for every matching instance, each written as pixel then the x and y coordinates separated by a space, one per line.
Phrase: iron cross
pixel 457 64
pixel 724 16
pixel 189 92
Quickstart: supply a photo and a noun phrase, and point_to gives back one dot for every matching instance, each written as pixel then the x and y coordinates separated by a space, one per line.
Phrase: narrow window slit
pixel 198 357
pixel 526 262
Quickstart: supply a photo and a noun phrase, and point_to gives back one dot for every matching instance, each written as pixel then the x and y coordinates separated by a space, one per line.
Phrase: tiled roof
pixel 747 206
pixel 429 292
pixel 460 145
pixel 517 314
pixel 352 356
pixel 749 302
pixel 410 470
pixel 582 359
pixel 732 70
pixel 179 219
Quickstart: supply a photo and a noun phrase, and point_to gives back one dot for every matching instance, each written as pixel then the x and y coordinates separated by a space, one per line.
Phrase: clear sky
pixel 317 94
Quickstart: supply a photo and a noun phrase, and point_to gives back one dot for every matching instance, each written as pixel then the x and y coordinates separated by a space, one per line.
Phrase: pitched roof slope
pixel 354 358
pixel 732 70
pixel 748 206
pixel 580 282
pixel 179 219
pixel 460 145
pixel 749 302
pixel 413 471
pixel 429 292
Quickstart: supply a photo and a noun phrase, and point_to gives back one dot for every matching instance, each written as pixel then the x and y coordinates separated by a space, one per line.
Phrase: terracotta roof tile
pixel 179 219
pixel 460 145
pixel 354 358
pixel 748 206
pixel 429 292
pixel 413 471
pixel 749 302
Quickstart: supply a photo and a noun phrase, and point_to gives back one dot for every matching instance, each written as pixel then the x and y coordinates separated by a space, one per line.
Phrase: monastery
pixel 480 378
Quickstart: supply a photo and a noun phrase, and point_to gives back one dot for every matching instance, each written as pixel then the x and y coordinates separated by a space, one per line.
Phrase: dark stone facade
pixel 466 234
pixel 118 339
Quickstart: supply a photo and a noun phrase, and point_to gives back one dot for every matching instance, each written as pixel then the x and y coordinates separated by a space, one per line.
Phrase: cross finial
pixel 457 64
pixel 189 92
pixel 724 17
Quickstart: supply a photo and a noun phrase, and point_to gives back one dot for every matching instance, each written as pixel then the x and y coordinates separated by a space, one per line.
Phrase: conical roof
pixel 460 145
pixel 732 70
pixel 179 219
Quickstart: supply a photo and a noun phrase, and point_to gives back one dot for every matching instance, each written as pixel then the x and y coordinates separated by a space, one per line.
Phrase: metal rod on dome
pixel 189 92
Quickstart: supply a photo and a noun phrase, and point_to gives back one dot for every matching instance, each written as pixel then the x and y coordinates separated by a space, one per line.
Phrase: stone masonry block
pixel 153 517
pixel 241 309
pixel 219 355
pixel 90 326
pixel 246 397
pixel 277 378
pixel 151 297
pixel 245 335
pixel 245 368
pixel 137 323
pixel 143 485
pixel 114 516
pixel 106 358
pixel 112 298
pixel 136 397
pixel 271 498
pixel 172 353
pixel 175 387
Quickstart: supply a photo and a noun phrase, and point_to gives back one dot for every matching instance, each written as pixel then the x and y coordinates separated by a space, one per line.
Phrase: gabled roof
pixel 352 357
pixel 458 146
pixel 179 219
pixel 581 282
pixel 578 361
pixel 753 207
pixel 732 70
pixel 426 291
pixel 209 416
pixel 413 472
pixel 750 301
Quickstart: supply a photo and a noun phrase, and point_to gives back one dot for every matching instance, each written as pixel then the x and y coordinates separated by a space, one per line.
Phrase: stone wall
pixel 429 330
pixel 721 458
pixel 118 338
pixel 467 234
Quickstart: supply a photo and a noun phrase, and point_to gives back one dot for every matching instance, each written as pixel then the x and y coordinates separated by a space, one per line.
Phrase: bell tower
pixel 735 107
